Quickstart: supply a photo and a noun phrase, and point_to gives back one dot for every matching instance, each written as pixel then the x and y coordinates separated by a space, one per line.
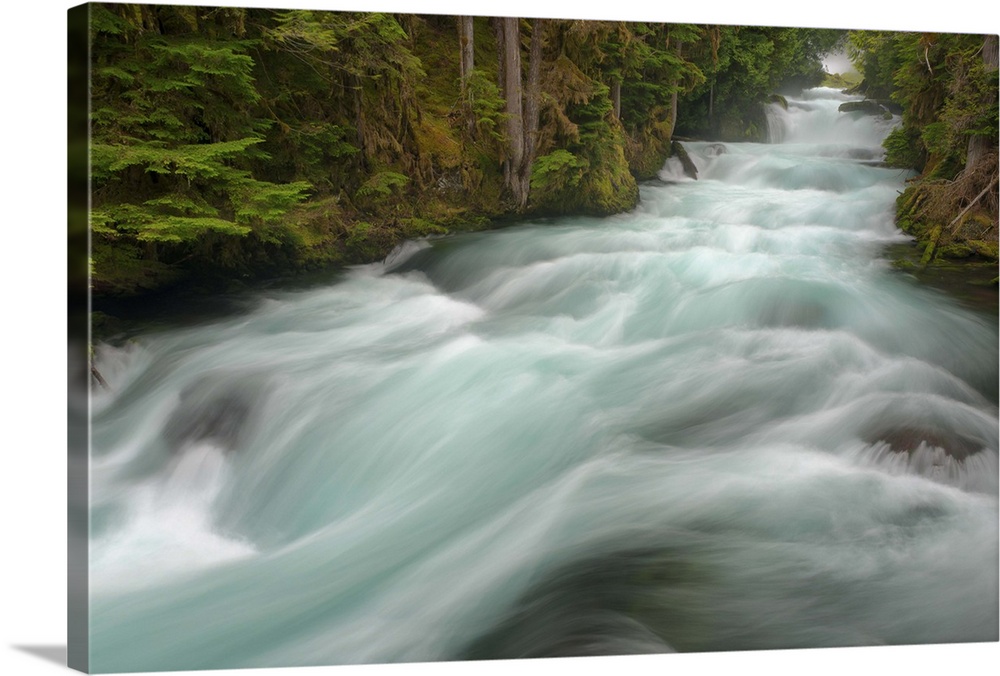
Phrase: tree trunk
pixel 673 100
pixel 980 146
pixel 465 66
pixel 991 55
pixel 498 34
pixel 531 108
pixel 465 47
pixel 673 114
pixel 510 65
pixel 616 98
pixel 359 119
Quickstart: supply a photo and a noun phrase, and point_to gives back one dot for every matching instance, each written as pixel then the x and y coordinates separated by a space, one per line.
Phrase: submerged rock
pixel 716 149
pixel 217 408
pixel 910 439
pixel 616 604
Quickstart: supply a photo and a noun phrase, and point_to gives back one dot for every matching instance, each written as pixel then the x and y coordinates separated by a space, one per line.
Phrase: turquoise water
pixel 720 421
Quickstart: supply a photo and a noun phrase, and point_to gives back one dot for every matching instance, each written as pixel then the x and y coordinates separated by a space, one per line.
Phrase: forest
pixel 233 144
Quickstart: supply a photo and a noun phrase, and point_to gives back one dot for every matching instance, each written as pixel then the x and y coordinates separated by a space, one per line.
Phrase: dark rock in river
pixel 681 153
pixel 716 149
pixel 866 106
pixel 910 438
pixel 621 603
pixel 217 408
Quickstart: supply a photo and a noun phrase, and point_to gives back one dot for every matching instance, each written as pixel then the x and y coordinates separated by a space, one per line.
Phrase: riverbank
pixel 972 282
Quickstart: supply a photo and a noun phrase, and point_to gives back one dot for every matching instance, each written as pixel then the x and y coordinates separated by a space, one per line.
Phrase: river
pixel 720 421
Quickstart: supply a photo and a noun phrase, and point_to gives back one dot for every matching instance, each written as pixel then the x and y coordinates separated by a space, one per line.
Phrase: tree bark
pixel 465 46
pixel 531 110
pixel 616 98
pixel 673 99
pixel 498 34
pixel 673 114
pixel 510 65
pixel 979 146
pixel 991 54
pixel 359 118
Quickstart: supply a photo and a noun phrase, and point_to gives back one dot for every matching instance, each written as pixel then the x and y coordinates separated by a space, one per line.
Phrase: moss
pixel 955 251
pixel 123 269
pixel 942 168
pixel 647 147
pixel 930 245
pixel 610 190
pixel 367 242
pixel 646 158
pixel 564 183
pixel 421 227
pixel 986 249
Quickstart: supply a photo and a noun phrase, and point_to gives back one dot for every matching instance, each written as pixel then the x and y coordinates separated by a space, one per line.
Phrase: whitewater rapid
pixel 719 421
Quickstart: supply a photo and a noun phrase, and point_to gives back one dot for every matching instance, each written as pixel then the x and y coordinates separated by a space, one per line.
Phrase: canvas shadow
pixel 50 653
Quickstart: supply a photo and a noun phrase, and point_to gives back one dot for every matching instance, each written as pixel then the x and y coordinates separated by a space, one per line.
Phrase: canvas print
pixel 431 338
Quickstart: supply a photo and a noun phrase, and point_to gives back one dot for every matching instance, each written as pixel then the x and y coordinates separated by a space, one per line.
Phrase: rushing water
pixel 720 421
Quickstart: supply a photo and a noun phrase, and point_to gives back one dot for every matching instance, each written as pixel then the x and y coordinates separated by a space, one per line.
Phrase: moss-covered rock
pixel 609 190
pixel 985 249
pixel 563 183
pixel 866 106
pixel 955 251
pixel 646 158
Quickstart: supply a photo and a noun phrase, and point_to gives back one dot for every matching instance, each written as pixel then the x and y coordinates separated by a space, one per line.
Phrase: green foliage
pixel 555 172
pixel 653 71
pixel 742 67
pixel 947 93
pixel 935 137
pixel 581 164
pixel 902 148
pixel 358 233
pixel 251 140
pixel 949 133
pixel 176 137
pixel 486 104
pixel 266 203
pixel 841 80
pixel 876 55
pixel 421 227
pixel 382 184
pixel 367 241
pixel 939 79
